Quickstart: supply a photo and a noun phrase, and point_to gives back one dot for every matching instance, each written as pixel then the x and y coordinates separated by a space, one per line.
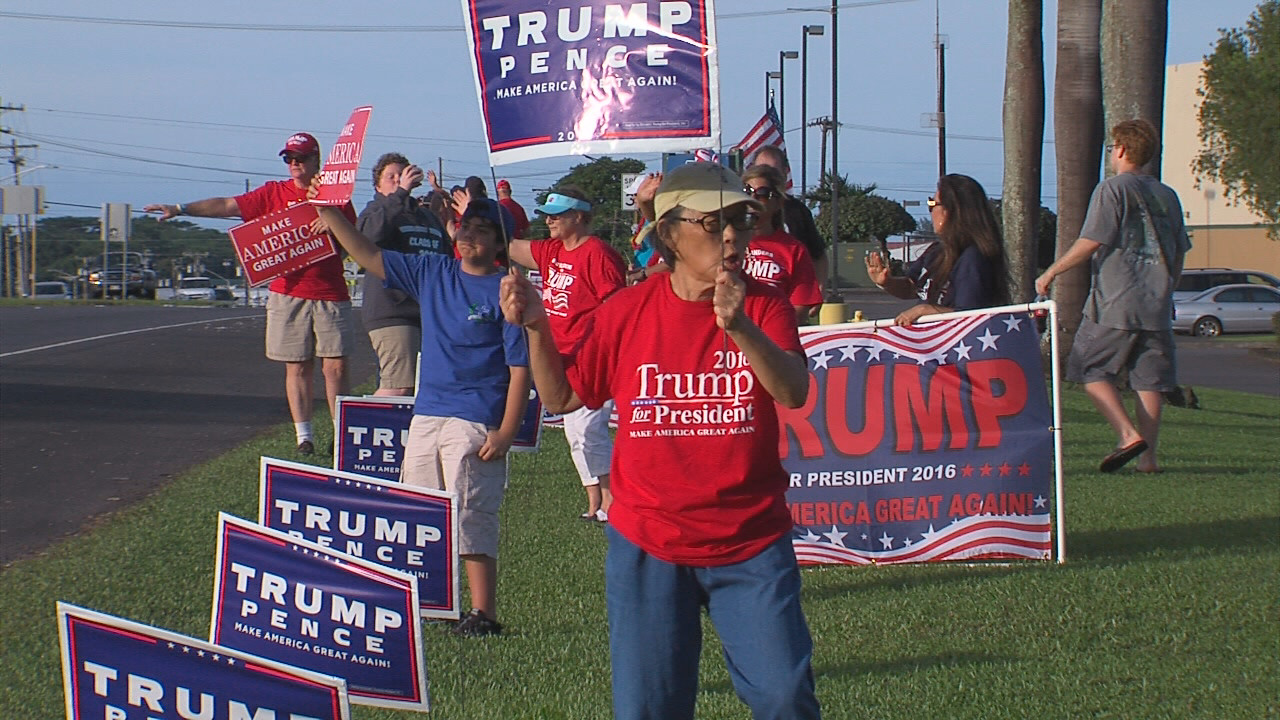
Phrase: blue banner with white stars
pixel 921 444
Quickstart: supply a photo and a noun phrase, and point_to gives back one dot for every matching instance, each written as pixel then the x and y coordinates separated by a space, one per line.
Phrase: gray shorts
pixel 397 348
pixel 298 329
pixel 1100 353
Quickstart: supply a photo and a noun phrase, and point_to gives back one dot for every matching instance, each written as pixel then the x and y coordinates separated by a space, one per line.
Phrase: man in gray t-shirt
pixel 1135 240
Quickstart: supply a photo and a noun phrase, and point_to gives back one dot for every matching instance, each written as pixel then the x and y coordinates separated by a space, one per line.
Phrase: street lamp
pixel 769 75
pixel 804 100
pixel 783 55
pixel 834 288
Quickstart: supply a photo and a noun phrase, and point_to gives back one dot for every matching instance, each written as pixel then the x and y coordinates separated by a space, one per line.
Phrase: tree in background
pixel 67 243
pixel 1134 37
pixel 1078 140
pixel 601 180
pixel 863 214
pixel 1023 144
pixel 1240 115
pixel 1043 235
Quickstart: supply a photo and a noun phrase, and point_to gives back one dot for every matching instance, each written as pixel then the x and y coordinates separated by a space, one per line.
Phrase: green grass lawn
pixel 1167 608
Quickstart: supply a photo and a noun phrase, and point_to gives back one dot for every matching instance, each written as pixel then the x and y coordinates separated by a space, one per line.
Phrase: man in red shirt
pixel 308 311
pixel 513 207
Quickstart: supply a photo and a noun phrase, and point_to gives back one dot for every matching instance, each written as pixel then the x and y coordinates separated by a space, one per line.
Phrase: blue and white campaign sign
pixel 302 604
pixel 371 433
pixel 925 443
pixel 570 77
pixel 407 528
pixel 115 669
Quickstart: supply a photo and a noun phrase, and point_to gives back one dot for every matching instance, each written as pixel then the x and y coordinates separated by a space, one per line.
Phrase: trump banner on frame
pixel 571 77
pixel 116 669
pixel 925 443
pixel 411 529
pixel 302 604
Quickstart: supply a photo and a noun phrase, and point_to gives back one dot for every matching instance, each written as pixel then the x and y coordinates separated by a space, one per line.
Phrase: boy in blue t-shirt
pixel 473 383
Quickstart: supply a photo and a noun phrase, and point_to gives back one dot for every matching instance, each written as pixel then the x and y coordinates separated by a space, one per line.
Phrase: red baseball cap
pixel 301 144
pixel 503 183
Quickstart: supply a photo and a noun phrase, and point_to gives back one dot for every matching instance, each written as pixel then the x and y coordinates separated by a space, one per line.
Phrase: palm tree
pixel 1023 143
pixel 1134 36
pixel 1078 138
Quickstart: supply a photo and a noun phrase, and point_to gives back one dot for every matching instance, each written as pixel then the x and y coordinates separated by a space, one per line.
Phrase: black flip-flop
pixel 1121 456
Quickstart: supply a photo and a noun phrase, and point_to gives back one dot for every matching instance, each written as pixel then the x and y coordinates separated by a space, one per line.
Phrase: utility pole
pixel 825 124
pixel 22 238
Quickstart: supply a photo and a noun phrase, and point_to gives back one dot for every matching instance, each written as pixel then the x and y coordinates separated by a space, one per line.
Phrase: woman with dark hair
pixel 965 269
pixel 775 257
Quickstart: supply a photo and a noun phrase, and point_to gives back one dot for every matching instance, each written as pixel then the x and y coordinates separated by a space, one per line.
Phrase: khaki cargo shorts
pixel 298 329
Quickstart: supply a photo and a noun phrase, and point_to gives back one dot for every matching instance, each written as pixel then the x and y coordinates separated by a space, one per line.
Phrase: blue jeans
pixel 655 632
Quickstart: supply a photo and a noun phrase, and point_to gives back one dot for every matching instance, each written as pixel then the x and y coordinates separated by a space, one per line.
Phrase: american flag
pixel 766 132
pixel 972 502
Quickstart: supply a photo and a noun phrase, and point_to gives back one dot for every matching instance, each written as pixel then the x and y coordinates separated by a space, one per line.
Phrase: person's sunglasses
pixel 712 223
pixel 931 202
pixel 764 192
pixel 291 159
pixel 1108 148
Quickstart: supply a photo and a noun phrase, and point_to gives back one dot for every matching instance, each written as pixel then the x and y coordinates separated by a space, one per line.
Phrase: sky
pixel 147 108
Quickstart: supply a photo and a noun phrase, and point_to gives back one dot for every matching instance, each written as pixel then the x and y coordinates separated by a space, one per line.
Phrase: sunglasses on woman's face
pixel 931 202
pixel 764 192
pixel 714 223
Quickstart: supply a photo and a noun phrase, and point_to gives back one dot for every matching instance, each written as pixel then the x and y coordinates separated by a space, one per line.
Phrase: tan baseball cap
pixel 701 186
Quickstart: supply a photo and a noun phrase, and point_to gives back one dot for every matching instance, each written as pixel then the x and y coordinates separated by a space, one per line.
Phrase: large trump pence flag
pixel 924 443
pixel 569 77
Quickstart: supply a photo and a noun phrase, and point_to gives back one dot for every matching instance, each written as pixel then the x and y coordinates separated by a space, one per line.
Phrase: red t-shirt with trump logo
pixel 574 282
pixel 696 477
pixel 779 260
pixel 321 281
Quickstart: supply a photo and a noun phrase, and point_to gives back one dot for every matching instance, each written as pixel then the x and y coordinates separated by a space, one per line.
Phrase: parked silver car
pixel 1196 280
pixel 1229 308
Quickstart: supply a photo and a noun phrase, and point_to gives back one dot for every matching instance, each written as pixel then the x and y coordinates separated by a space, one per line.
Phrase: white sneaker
pixel 602 516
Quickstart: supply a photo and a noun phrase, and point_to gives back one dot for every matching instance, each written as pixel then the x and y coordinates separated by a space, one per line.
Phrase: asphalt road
pixel 101 405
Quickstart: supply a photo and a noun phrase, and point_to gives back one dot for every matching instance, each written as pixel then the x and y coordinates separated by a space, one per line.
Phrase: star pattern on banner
pixel 836 536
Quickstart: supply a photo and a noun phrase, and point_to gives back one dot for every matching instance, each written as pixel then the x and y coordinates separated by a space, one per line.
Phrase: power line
pixel 365 29
pixel 135 158
pixel 92 20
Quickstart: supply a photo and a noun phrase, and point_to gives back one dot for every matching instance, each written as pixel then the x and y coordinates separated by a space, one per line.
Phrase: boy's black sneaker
pixel 476 624
pixel 306 447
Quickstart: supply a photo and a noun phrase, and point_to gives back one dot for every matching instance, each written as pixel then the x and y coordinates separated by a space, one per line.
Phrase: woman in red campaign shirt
pixel 694 360
pixel 775 257
pixel 579 271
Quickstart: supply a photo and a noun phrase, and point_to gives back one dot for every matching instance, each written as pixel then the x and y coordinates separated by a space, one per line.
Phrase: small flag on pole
pixel 766 132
